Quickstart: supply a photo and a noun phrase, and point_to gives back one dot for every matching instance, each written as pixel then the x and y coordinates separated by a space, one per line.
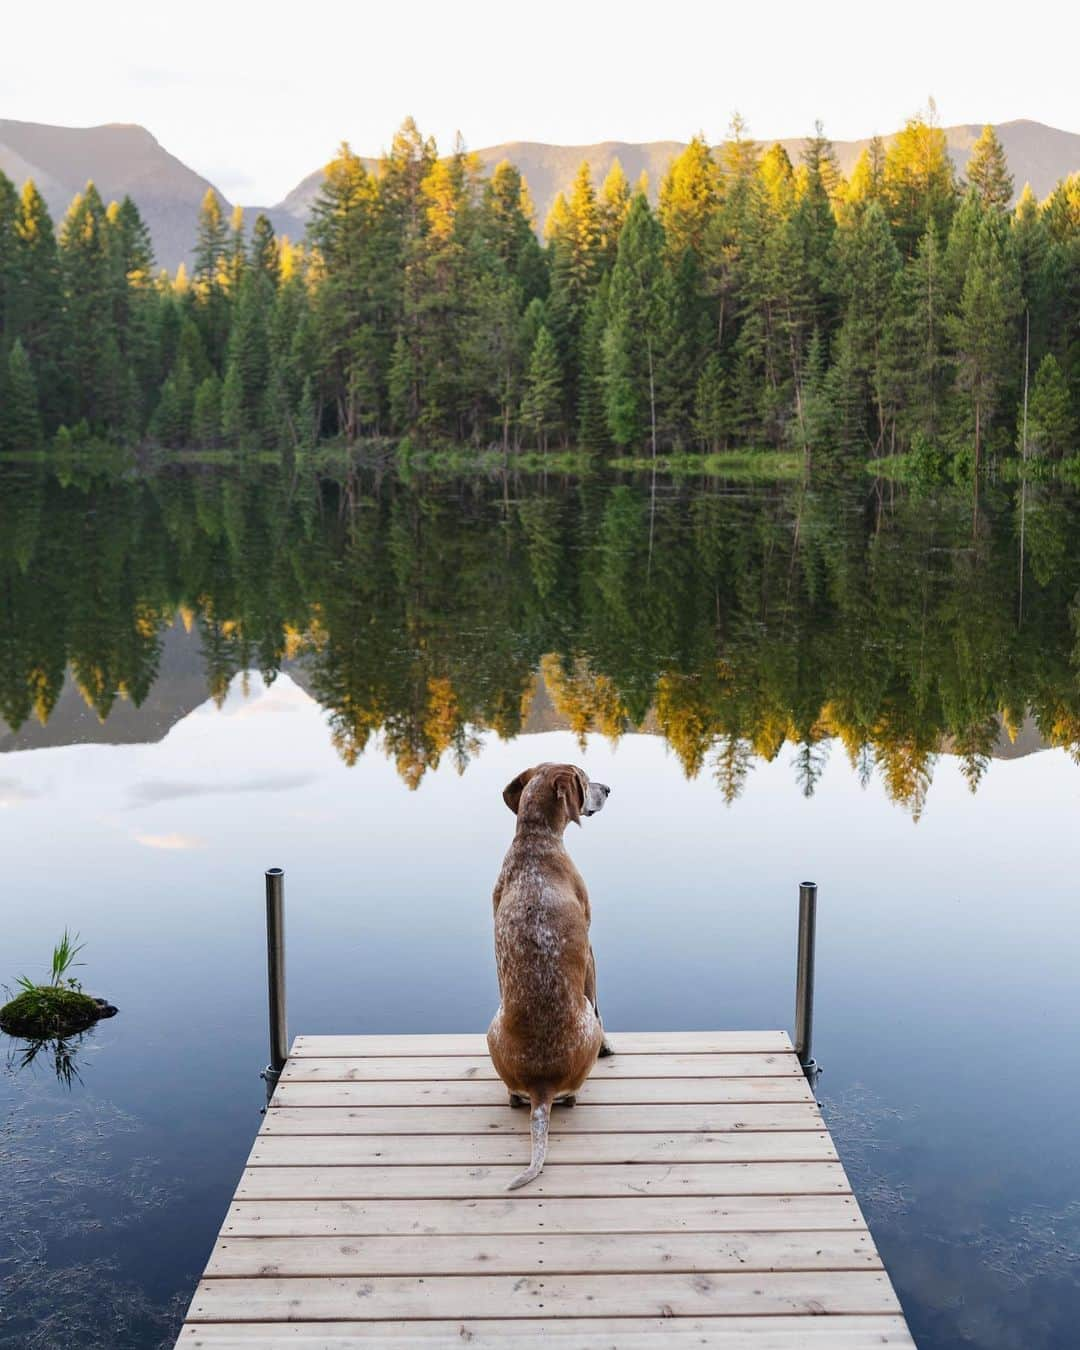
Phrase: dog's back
pixel 546 1034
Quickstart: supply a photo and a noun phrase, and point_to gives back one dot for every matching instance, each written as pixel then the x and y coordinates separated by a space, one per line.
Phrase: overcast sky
pixel 255 96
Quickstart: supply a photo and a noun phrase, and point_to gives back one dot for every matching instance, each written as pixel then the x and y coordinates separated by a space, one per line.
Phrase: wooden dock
pixel 693 1197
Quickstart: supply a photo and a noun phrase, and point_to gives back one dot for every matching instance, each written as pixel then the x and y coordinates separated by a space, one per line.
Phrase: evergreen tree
pixel 984 331
pixel 95 372
pixel 688 198
pixel 265 261
pixel 210 277
pixel 710 425
pixel 919 183
pixel 867 181
pixel 988 171
pixel 20 422
pixel 1051 423
pixel 38 315
pixel 542 400
pixel 234 424
pixel 632 337
pixel 507 229
pixel 576 259
pixel 592 417
pixel 615 197
pixel 206 419
pixel 869 266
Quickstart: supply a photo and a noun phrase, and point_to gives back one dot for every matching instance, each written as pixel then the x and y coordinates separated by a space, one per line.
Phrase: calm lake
pixel 208 670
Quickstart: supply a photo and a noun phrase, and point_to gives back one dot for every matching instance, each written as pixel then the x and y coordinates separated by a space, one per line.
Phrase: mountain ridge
pixel 126 158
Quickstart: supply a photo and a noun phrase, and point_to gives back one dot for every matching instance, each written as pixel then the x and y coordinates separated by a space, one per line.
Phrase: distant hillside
pixel 127 159
pixel 121 159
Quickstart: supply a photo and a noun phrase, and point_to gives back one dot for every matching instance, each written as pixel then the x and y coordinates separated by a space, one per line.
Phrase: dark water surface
pixel 206 671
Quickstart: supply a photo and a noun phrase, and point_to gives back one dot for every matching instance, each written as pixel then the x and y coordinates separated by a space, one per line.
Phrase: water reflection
pixel 738 625
pixel 61 1052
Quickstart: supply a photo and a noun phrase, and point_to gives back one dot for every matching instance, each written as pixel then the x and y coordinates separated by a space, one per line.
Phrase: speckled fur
pixel 546 1034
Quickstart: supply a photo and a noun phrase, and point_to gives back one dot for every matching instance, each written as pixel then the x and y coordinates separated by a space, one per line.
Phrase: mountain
pixel 123 158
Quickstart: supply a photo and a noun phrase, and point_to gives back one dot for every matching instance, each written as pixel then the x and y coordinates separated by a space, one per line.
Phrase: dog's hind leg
pixel 516 1099
pixel 606 1048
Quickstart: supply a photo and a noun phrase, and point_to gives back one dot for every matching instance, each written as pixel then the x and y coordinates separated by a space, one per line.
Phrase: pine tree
pixel 869 268
pixel 576 260
pixel 984 331
pixel 507 228
pixel 916 346
pixel 39 316
pixel 361 294
pixel 542 400
pixel 614 206
pixel 1051 423
pixel 592 418
pixel 688 198
pixel 401 382
pixel 234 426
pixel 988 171
pixel 739 154
pixel 9 275
pixel 236 259
pixel 711 422
pixel 167 424
pixel 20 422
pixel 919 183
pixel 867 181
pixel 92 360
pixel 265 261
pixel 206 419
pixel 209 277
pixel 632 338
pixel 209 268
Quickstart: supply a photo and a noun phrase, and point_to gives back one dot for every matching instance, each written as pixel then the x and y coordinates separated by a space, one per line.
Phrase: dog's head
pixel 556 794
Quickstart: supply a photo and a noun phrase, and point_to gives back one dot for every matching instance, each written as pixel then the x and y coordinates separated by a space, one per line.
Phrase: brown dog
pixel 547 1033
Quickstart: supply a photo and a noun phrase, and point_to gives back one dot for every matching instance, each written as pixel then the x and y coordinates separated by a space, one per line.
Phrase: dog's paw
pixel 569 1100
pixel 517 1100
pixel 606 1049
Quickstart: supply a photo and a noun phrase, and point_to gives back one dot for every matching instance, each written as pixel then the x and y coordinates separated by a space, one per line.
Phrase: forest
pixel 759 304
pixel 739 626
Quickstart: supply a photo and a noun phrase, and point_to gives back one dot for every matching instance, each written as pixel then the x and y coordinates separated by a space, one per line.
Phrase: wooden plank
pixel 476 1150
pixel 585 1118
pixel 390 1297
pixel 519 1213
pixel 443 1067
pixel 481 1182
pixel 546 1254
pixel 600 1333
pixel 490 1092
pixel 475 1044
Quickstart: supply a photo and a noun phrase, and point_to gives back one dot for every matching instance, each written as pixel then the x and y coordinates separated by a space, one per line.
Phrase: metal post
pixel 275 975
pixel 804 980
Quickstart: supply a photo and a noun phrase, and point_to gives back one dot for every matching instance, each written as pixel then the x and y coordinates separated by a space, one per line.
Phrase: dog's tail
pixel 541 1116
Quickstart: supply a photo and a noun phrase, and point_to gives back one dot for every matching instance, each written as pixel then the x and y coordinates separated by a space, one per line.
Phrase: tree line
pixel 759 303
pixel 740 626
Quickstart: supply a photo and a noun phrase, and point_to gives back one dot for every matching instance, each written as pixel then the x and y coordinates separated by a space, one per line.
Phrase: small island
pixel 59 1007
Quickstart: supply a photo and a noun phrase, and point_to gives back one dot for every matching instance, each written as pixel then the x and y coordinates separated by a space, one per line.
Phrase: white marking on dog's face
pixel 596 794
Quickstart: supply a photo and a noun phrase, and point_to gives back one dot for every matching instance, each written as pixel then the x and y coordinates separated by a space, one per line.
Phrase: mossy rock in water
pixel 51 1011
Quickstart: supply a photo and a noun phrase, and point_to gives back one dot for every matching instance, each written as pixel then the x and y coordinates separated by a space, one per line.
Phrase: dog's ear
pixel 513 790
pixel 570 792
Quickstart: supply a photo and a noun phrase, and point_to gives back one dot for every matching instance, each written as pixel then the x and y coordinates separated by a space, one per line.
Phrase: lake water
pixel 206 671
